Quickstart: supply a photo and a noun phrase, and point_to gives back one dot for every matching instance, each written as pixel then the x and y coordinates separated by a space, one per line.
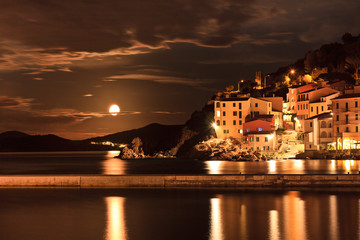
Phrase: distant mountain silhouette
pixel 155 137
pixel 14 141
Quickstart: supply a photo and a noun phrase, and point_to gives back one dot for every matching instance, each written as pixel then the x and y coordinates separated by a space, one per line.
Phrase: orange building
pixel 346 111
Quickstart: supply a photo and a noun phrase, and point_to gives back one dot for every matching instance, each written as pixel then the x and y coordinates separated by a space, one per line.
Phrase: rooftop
pixel 353 95
pixel 321 116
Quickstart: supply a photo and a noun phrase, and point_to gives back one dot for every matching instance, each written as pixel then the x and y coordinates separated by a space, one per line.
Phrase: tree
pixel 229 88
pixel 353 60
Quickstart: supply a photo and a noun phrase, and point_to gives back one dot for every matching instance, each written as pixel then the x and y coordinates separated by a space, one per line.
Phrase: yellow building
pixel 346 111
pixel 232 112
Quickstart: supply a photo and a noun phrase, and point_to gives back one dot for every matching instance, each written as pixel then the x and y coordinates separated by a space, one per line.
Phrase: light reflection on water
pixel 115 224
pixel 291 166
pixel 112 165
pixel 178 214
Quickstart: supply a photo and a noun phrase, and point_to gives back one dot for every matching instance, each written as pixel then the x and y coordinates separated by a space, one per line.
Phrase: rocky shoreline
pixel 212 149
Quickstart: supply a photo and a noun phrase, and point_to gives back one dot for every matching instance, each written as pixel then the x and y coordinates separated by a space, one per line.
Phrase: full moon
pixel 114 109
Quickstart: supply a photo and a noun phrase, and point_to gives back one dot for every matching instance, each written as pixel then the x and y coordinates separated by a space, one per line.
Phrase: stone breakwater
pixel 181 181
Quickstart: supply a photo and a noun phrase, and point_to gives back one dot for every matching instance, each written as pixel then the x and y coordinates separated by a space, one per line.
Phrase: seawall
pixel 181 181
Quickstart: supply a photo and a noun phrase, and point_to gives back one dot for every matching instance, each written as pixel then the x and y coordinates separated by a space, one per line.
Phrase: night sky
pixel 63 63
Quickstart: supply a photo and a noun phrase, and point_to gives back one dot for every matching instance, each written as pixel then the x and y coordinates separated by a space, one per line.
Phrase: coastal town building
pixel 260 133
pixel 307 101
pixel 262 116
pixel 346 111
pixel 318 132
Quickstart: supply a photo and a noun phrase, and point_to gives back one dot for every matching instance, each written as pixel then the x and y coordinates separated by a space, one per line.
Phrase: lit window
pixel 266 139
pixel 248 129
pixel 251 139
pixel 260 129
pixel 218 113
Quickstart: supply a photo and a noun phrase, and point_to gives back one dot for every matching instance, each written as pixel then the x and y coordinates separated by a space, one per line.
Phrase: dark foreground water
pixel 105 163
pixel 94 214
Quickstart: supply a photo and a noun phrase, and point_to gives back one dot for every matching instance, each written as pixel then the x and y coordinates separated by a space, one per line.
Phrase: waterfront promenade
pixel 182 181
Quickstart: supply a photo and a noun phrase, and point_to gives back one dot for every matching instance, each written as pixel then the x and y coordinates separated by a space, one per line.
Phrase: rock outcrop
pixel 219 149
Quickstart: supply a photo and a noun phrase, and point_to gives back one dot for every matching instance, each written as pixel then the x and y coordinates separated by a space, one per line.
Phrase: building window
pixel 257 148
pixel 347 129
pixel 218 104
pixel 218 113
pixel 224 113
pixel 347 118
pixel 218 122
pixel 251 139
pixel 337 117
pixel 234 122
pixel 312 109
pixel 356 103
pixel 298 107
pixel 337 105
pixel 260 129
pixel 309 145
pixel 257 139
pixel 264 148
pixel 240 131
pixel 240 122
pixel 223 104
pixel 256 105
pixel 234 104
pixel 337 129
pixel 356 116
pixel 307 106
pixel 310 124
pixel 322 108
pixel 357 128
pixel 224 131
pixel 248 130
pixel 239 105
pixel 346 105
pixel 268 147
pixel 224 123
pixel 240 114
pixel 234 113
pixel 266 139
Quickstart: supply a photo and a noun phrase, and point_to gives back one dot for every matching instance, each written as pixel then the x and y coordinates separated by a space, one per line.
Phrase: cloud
pixel 25 107
pixel 88 95
pixel 167 112
pixel 156 78
pixel 16 103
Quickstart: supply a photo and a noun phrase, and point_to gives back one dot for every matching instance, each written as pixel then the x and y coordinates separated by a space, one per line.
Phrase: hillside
pixel 155 137
pixel 14 141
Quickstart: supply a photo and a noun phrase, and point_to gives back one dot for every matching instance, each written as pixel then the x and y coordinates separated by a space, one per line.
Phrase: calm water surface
pixel 105 163
pixel 44 214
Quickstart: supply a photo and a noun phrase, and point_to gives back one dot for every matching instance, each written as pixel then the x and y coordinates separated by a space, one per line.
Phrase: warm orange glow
pixel 216 231
pixel 292 71
pixel 116 228
pixel 114 109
